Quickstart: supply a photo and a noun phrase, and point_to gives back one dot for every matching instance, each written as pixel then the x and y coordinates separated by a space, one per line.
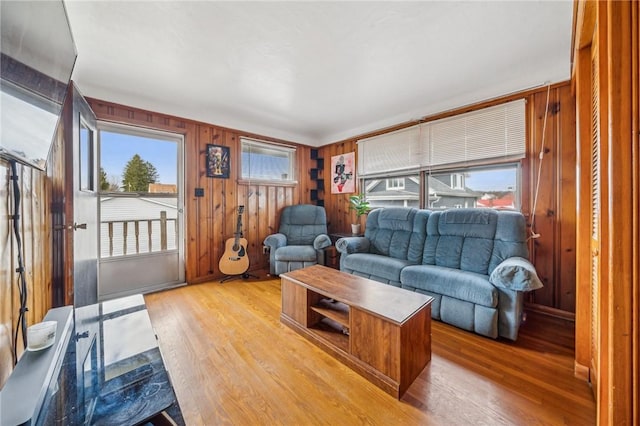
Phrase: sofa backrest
pixel 397 232
pixel 474 240
pixel 302 223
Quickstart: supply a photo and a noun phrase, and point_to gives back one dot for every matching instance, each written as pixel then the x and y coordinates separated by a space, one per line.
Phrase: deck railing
pixel 128 237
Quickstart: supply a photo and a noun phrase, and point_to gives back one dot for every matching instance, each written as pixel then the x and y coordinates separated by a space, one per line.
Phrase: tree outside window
pixel 138 174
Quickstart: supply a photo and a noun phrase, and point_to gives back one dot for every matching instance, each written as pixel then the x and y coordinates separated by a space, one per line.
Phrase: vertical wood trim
pixel 594 229
pixel 616 368
pixel 620 223
pixel 69 124
pixel 583 238
pixel 600 356
pixel 635 107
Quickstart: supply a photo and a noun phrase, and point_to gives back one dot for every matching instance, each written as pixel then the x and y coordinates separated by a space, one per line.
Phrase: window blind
pixel 267 161
pixel 402 150
pixel 493 133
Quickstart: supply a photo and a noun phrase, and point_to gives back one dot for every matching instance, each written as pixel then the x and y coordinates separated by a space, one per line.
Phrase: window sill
pixel 288 183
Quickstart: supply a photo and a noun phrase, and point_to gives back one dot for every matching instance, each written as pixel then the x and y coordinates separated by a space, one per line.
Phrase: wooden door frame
pixel 613 26
pixel 62 209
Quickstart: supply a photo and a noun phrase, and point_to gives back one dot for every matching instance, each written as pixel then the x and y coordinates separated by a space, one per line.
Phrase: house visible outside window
pixel 395 184
pixel 388 193
pixel 493 187
pixel 266 161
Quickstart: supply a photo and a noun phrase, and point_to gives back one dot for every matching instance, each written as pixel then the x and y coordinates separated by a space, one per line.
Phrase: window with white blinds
pixel 267 161
pixel 401 150
pixel 495 133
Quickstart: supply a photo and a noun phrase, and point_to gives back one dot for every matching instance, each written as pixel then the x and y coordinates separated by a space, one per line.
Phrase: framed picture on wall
pixel 218 161
pixel 343 173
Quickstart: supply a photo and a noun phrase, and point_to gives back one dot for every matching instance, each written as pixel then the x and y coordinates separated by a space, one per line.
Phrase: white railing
pixel 137 236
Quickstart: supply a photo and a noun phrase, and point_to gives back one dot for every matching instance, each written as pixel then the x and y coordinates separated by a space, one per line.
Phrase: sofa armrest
pixel 351 245
pixel 275 241
pixel 516 273
pixel 321 241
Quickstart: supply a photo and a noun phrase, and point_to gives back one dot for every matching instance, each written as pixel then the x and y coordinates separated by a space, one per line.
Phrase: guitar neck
pixel 238 232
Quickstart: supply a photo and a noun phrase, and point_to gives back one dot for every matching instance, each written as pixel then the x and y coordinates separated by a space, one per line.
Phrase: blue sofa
pixel 473 262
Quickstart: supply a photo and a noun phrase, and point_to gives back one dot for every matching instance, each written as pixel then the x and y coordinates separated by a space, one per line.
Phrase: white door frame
pixel 143 273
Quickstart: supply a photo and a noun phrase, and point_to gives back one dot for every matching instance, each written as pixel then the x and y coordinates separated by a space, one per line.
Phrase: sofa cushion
pixel 375 265
pixel 461 239
pixel 510 240
pixel 297 253
pixel 463 285
pixel 397 232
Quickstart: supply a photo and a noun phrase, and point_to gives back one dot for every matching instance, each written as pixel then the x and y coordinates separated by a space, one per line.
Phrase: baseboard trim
pixel 581 371
pixel 553 312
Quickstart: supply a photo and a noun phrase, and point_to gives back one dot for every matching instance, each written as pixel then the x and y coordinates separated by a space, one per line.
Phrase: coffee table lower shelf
pixel 337 346
pixel 380 331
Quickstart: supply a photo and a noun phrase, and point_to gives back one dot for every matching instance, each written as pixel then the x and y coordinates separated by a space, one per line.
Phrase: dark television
pixel 37 58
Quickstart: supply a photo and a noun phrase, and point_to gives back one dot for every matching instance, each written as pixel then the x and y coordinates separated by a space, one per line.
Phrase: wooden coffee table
pixel 380 331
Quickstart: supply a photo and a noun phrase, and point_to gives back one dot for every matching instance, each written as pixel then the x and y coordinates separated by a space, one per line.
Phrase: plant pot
pixel 355 228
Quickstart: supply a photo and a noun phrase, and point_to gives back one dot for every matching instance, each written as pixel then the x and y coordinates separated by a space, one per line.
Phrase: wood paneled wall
pixel 35 232
pixel 554 252
pixel 210 220
pixel 339 217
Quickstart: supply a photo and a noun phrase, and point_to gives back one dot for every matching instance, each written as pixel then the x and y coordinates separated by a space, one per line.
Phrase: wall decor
pixel 343 168
pixel 218 161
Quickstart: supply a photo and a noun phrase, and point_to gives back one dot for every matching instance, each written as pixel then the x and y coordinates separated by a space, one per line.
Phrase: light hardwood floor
pixel 233 362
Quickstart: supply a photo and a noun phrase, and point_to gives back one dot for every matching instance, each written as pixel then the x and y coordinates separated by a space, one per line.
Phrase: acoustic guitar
pixel 235 261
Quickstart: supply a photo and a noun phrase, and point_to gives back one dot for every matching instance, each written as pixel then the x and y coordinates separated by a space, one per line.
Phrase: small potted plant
pixel 361 206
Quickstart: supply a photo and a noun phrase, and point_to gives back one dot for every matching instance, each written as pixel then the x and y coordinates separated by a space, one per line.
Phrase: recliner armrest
pixel 275 241
pixel 349 245
pixel 321 241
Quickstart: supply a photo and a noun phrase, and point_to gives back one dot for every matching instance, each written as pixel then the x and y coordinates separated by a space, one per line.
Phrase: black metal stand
pixel 243 276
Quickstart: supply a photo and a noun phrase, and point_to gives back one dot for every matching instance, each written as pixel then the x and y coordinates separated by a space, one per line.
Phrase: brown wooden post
pixel 163 230
pixel 124 233
pixel 149 232
pixel 110 238
pixel 136 225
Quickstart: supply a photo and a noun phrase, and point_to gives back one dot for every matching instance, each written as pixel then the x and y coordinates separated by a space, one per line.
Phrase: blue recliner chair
pixel 300 240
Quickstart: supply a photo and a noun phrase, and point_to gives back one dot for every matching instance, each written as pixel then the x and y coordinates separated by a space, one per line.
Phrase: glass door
pixel 141 210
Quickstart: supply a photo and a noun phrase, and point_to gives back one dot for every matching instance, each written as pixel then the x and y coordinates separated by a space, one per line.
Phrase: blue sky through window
pixel 502 179
pixel 116 149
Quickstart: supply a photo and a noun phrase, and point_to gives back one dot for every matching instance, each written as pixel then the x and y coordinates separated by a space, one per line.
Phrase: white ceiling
pixel 315 72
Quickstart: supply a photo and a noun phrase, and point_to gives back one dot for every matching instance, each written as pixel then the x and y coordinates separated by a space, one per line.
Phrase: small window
pixel 457 181
pixel 395 184
pixel 86 158
pixel 267 161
